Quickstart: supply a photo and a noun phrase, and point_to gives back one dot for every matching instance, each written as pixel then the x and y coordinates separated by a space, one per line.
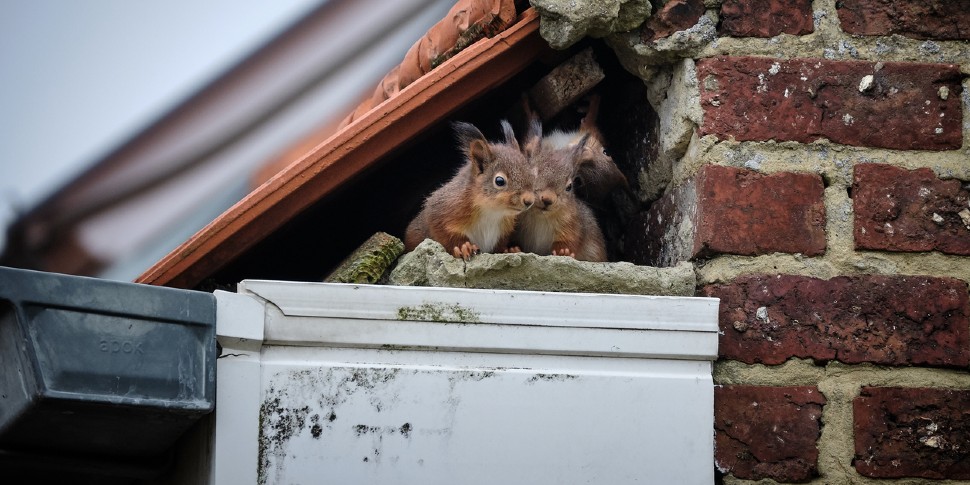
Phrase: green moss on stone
pixel 368 263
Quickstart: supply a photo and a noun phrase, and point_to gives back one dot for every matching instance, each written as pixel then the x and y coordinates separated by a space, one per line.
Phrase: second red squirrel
pixel 598 176
pixel 476 210
pixel 559 223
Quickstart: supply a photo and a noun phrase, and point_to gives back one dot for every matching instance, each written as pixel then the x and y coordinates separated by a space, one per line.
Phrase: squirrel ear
pixel 479 154
pixel 533 138
pixel 580 146
pixel 466 132
pixel 473 143
pixel 588 124
pixel 510 135
pixel 579 154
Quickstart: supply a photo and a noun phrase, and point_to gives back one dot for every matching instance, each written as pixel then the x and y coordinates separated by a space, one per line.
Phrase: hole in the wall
pixel 826 180
pixel 848 191
pixel 630 126
pixel 386 196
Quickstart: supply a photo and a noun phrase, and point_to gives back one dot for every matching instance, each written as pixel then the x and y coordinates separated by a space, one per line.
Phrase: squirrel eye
pixel 499 181
pixel 569 187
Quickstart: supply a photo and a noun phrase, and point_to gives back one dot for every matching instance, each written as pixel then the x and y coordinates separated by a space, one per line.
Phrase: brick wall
pixel 822 188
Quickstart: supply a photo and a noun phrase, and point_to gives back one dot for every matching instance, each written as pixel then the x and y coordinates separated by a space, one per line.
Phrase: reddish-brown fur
pixel 598 174
pixel 559 223
pixel 472 212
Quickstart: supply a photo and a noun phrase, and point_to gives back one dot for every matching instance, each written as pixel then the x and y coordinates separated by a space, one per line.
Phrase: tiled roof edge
pixel 352 149
pixel 467 22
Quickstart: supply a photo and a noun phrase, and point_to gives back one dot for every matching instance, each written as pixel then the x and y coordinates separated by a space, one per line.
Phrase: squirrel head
pixel 500 172
pixel 597 175
pixel 557 168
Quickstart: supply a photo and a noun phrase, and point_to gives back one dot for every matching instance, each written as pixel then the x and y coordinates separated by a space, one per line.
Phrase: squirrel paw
pixel 512 249
pixel 465 251
pixel 563 252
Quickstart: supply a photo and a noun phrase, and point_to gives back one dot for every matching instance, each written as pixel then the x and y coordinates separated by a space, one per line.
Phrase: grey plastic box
pixel 101 368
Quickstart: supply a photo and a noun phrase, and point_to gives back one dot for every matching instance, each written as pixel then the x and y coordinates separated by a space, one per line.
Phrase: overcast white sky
pixel 78 77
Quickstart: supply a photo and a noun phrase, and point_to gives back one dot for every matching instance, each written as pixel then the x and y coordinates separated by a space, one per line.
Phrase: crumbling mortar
pixel 638 59
pixel 840 258
pixel 828 41
pixel 649 60
pixel 840 383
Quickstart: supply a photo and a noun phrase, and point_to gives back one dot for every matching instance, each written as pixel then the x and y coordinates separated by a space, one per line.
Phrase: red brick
pixel 922 432
pixel 728 210
pixel 767 432
pixel 909 210
pixel 744 212
pixel 890 320
pixel 907 106
pixel 674 16
pixel 919 19
pixel 766 18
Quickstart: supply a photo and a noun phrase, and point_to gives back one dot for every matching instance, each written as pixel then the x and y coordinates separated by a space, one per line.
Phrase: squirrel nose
pixel 547 200
pixel 528 200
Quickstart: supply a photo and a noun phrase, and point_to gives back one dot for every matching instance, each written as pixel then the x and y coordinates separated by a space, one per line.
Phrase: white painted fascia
pixel 502 321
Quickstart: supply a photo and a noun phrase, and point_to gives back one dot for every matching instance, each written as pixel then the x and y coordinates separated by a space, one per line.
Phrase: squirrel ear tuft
pixel 466 132
pixel 580 146
pixel 580 155
pixel 510 135
pixel 533 138
pixel 473 144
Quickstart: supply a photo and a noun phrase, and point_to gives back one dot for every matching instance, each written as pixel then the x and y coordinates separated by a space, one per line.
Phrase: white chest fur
pixel 536 233
pixel 560 139
pixel 487 230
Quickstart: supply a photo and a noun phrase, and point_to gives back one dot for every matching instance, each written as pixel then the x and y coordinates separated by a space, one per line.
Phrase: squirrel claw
pixel 563 252
pixel 466 250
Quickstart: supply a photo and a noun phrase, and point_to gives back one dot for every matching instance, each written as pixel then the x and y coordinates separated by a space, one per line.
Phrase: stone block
pixel 565 22
pixel 565 84
pixel 430 265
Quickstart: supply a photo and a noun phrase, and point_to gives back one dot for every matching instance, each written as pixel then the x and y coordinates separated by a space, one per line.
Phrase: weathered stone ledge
pixel 430 265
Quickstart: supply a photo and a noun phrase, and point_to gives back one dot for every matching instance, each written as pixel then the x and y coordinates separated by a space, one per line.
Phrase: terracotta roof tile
pixel 467 22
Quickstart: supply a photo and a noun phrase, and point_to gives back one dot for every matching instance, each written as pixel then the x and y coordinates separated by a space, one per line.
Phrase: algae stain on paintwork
pixel 307 400
pixel 278 423
pixel 550 378
pixel 438 312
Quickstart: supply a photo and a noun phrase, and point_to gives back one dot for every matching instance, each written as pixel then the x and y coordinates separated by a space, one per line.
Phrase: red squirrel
pixel 598 175
pixel 559 223
pixel 475 211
